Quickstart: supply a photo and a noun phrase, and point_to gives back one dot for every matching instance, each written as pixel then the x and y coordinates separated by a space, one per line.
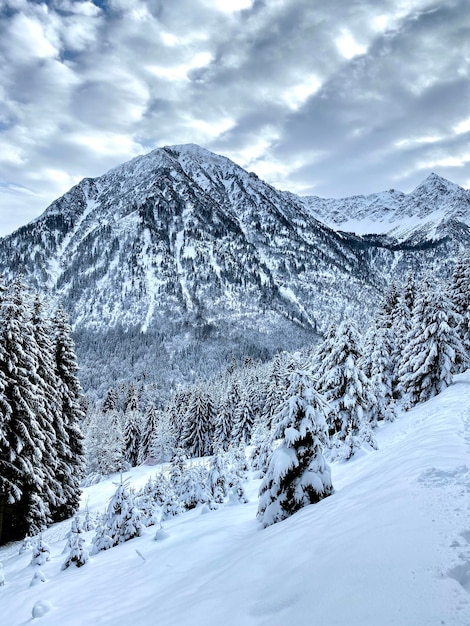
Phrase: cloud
pixel 329 98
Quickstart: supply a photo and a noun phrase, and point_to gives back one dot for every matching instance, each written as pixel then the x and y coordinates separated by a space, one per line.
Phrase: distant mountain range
pixel 431 212
pixel 176 260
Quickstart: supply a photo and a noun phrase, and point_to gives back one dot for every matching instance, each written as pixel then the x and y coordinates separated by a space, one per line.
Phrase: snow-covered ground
pixel 390 547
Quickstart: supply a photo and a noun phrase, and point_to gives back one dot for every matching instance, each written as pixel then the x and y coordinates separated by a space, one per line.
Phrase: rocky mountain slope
pixel 172 262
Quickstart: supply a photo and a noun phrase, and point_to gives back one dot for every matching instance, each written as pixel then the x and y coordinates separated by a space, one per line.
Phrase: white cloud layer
pixel 328 98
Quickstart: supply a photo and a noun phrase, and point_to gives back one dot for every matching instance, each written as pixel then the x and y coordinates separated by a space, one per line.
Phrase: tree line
pixel 297 412
pixel 41 443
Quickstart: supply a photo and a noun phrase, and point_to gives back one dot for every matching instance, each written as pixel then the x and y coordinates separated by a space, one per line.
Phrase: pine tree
pixel 104 445
pixel 41 552
pixel 347 390
pixel 459 293
pixel 298 474
pixel 224 422
pixel 177 470
pixel 71 468
pixel 176 410
pixel 146 502
pixel 192 489
pixel 131 401
pixel 389 306
pixel 433 351
pixel 393 321
pixel 132 435
pixel 276 387
pixel 198 428
pixel 150 432
pixel 160 486
pixel 217 479
pixel 122 521
pixel 261 451
pixel 323 351
pixel 379 368
pixel 243 425
pixel 22 473
pixel 48 410
pixel 163 444
pixel 111 402
pixel 402 323
pixel 78 555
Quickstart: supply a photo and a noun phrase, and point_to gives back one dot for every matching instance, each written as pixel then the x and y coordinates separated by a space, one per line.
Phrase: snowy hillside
pixel 429 212
pixel 390 547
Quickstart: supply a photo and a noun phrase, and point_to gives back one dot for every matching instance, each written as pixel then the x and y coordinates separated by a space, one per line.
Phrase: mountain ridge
pixel 420 214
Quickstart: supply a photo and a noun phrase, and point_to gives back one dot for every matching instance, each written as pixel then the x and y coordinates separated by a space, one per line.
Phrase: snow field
pixel 391 547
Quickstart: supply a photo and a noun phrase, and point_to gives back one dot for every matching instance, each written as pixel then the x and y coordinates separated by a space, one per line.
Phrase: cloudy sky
pixel 331 98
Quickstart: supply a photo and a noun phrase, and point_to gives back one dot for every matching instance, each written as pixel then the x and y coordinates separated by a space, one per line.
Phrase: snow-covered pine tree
pixel 199 423
pixel 226 417
pixel 89 521
pixel 323 350
pixel 378 366
pixel 254 387
pixel 261 451
pixel 275 389
pixel 131 401
pixel 160 486
pixel 48 409
pixel 236 460
pixel 104 444
pixel 178 467
pixel 115 442
pixel 176 410
pixel 433 351
pixel 192 488
pixel 347 390
pixel 132 434
pixel 78 555
pixel 163 444
pixel 22 472
pixel 389 307
pixel 72 465
pixel 122 521
pixel 402 322
pixel 10 476
pixel 41 552
pixel 111 401
pixel 171 505
pixel 244 418
pixel 459 293
pixel 149 434
pixel 26 545
pixel 395 316
pixel 217 479
pixel 146 503
pixel 102 539
pixel 298 474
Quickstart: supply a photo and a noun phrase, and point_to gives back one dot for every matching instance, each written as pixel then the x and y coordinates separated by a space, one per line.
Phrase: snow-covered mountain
pixel 435 209
pixel 183 235
pixel 180 258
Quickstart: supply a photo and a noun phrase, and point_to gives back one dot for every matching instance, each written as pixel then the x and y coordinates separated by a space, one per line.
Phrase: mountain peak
pixel 435 182
pixel 191 148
